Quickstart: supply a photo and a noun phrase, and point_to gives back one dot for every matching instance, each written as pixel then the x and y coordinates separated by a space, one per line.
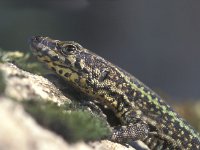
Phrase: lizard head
pixel 70 60
pixel 55 51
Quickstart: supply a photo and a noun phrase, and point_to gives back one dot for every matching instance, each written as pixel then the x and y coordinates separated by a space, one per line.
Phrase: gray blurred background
pixel 157 41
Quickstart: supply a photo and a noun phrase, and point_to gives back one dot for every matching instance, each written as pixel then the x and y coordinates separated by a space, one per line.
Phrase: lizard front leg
pixel 123 134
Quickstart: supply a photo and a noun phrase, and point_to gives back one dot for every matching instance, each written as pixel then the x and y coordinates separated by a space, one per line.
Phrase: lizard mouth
pixel 43 46
pixel 38 43
pixel 46 51
pixel 34 42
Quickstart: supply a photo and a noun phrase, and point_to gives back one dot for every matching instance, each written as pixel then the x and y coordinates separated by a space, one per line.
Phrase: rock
pixel 19 130
pixel 22 85
pixel 108 145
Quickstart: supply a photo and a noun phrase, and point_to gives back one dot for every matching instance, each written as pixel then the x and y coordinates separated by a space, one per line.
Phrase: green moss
pixel 71 123
pixel 23 60
pixel 8 56
pixel 2 83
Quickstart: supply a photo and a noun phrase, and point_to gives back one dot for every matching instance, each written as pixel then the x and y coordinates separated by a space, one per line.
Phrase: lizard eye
pixel 68 49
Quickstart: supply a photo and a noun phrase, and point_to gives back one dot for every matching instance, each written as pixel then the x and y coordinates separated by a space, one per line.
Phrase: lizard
pixel 143 114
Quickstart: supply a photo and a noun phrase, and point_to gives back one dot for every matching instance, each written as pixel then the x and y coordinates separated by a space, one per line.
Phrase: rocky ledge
pixel 25 127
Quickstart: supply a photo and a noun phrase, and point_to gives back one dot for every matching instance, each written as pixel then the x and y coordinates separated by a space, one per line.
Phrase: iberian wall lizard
pixel 143 114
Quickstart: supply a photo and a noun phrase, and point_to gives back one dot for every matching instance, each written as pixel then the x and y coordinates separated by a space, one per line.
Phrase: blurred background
pixel 157 41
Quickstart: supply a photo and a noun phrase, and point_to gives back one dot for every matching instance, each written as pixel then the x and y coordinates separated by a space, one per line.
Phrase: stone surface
pixel 22 85
pixel 18 130
pixel 108 145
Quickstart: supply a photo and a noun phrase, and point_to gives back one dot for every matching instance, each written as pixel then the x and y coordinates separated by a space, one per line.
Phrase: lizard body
pixel 146 116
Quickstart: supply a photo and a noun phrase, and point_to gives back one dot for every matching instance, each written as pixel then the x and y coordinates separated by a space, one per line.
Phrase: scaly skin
pixel 143 114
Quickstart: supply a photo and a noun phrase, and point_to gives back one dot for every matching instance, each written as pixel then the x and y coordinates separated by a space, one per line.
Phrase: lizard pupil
pixel 68 49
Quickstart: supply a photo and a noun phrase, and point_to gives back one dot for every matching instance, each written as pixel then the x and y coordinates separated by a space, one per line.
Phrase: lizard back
pixel 129 99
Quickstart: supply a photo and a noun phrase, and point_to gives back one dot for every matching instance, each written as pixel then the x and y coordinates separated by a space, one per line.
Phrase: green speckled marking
pixel 112 86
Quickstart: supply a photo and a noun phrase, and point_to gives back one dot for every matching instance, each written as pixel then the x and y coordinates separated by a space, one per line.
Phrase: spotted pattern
pixel 129 98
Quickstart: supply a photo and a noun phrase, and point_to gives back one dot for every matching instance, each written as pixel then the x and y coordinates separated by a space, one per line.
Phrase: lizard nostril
pixel 37 38
pixel 34 39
